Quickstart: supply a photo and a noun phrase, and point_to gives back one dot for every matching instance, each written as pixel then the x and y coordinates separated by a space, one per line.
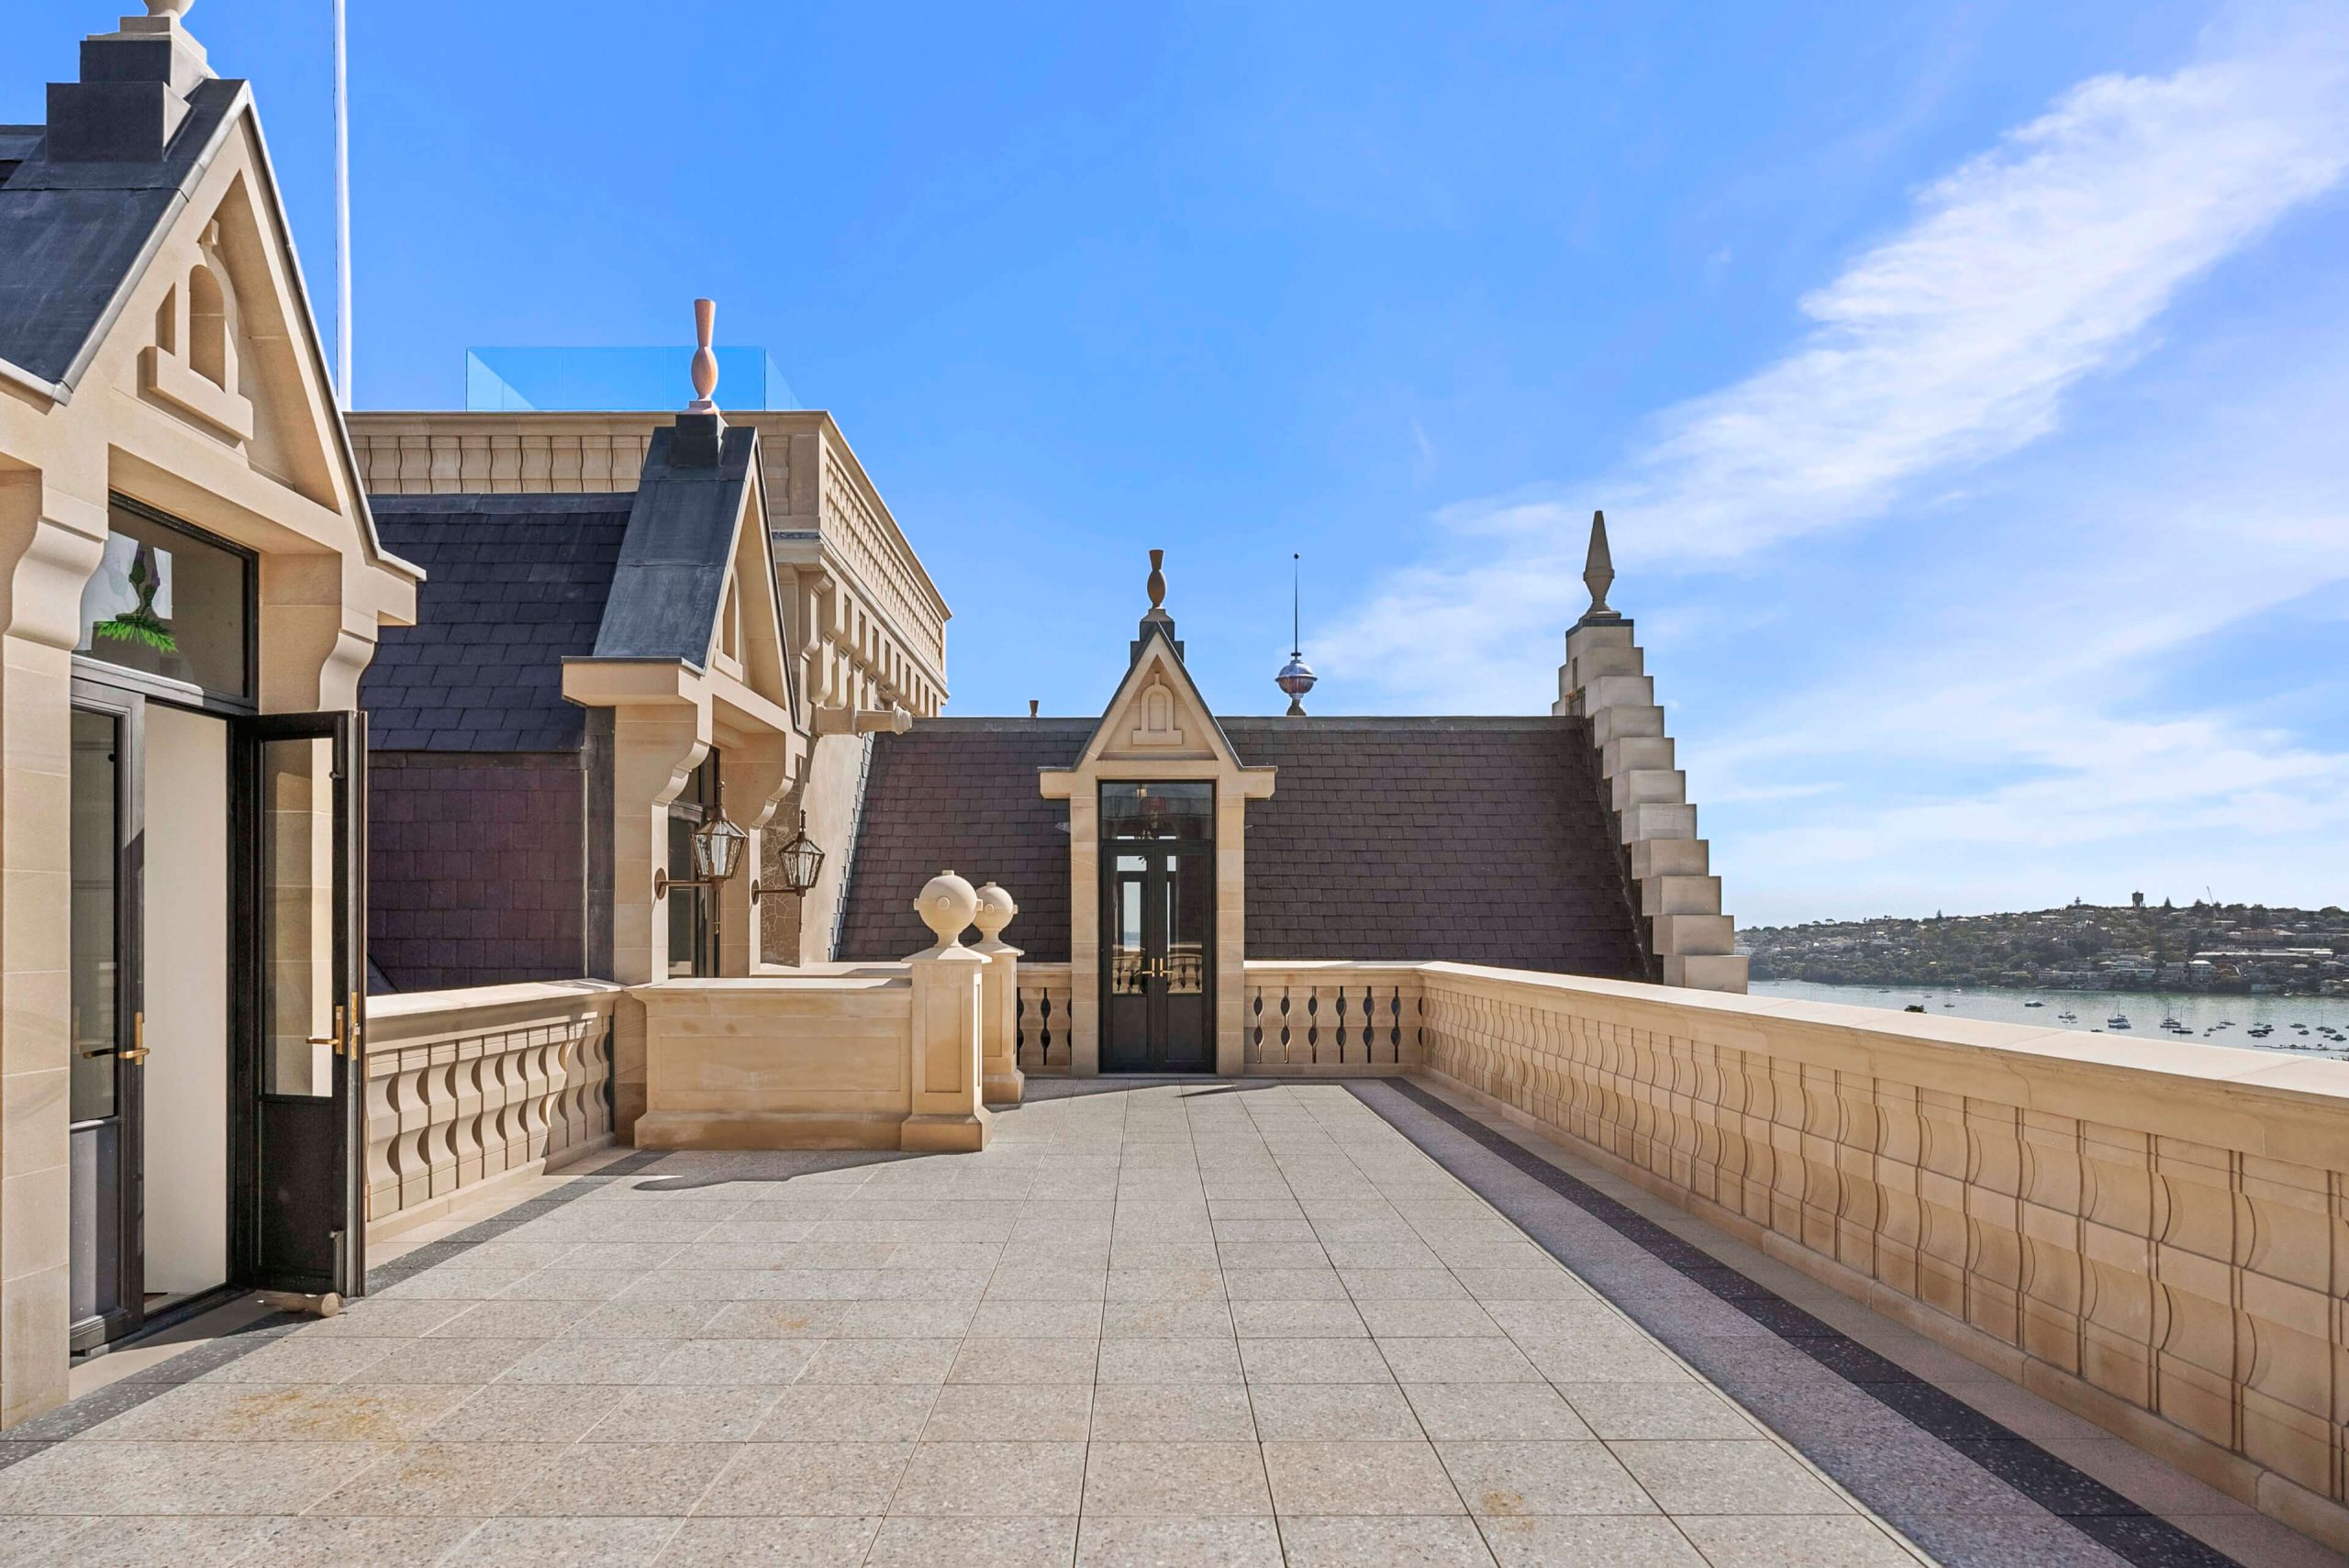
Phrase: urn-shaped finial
pixel 1157 584
pixel 705 357
pixel 995 912
pixel 946 906
pixel 172 8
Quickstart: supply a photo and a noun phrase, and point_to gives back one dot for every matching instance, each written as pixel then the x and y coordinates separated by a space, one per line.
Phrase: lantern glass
pixel 800 861
pixel 717 848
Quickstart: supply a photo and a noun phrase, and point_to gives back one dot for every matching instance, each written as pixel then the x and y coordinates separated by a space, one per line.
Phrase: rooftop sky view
pixel 1964 383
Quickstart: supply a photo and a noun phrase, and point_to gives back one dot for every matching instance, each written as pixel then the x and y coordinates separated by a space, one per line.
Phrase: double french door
pixel 165 1053
pixel 1157 948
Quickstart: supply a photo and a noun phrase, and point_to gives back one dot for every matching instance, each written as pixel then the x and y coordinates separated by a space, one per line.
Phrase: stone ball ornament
pixel 946 906
pixel 996 911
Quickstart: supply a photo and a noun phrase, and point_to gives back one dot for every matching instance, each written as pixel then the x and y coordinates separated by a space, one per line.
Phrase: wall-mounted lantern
pixel 716 851
pixel 798 863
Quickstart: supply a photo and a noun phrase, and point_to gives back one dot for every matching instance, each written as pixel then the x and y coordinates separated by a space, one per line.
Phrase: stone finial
pixel 175 9
pixel 1598 571
pixel 946 906
pixel 705 357
pixel 995 912
pixel 1157 584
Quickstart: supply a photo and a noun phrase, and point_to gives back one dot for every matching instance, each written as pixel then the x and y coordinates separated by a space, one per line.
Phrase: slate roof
pixel 960 793
pixel 513 584
pixel 74 236
pixel 664 598
pixel 1481 840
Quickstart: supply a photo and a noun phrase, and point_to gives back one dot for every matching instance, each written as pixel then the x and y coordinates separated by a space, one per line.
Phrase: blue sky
pixel 1965 384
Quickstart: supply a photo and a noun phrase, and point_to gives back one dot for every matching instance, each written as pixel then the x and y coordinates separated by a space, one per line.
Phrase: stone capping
pixel 1978 1058
pixel 405 1017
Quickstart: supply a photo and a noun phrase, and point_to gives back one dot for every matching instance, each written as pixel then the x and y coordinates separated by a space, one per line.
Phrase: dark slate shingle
pixel 1480 840
pixel 476 672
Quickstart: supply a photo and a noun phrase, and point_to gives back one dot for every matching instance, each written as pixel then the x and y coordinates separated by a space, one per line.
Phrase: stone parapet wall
pixel 466 1088
pixel 2153 1234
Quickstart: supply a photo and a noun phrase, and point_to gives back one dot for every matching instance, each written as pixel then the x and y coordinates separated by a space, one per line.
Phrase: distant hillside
pixel 2131 947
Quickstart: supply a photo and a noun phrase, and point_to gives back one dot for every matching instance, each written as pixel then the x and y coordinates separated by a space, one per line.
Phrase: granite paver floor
pixel 1203 1323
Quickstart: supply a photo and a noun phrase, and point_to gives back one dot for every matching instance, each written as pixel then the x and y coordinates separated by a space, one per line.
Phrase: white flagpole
pixel 341 220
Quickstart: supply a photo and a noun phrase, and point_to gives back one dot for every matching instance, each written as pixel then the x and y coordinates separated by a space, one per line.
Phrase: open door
pixel 300 1221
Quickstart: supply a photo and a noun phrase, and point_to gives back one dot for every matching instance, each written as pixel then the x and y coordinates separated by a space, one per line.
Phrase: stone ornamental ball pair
pixel 948 904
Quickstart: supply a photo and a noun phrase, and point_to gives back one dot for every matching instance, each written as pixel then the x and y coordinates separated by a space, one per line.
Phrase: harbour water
pixel 2214 1020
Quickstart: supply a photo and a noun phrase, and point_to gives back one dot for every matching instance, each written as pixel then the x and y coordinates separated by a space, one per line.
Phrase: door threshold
pixel 161 1319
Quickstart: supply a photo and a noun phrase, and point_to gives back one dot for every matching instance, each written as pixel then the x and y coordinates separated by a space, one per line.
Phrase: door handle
pixel 334 1040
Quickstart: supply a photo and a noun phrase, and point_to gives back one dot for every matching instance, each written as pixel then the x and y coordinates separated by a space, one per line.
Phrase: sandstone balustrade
pixel 1044 1033
pixel 467 1088
pixel 2153 1234
pixel 1328 1020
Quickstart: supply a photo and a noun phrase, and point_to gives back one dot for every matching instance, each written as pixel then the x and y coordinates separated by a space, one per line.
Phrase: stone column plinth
pixel 944 1037
pixel 1001 1081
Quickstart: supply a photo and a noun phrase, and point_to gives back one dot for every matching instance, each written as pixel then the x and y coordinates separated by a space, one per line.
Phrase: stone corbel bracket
pixel 1605 679
pixel 892 720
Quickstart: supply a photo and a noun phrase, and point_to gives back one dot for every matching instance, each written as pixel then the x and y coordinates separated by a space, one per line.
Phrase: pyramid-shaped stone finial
pixel 1598 571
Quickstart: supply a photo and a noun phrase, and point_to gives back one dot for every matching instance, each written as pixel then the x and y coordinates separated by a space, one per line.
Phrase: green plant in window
pixel 139 623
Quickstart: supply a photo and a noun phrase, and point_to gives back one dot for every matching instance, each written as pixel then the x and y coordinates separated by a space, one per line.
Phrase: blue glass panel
pixel 614 380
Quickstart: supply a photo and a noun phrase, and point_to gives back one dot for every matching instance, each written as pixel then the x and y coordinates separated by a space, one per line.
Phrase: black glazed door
pixel 1157 958
pixel 107 1026
pixel 300 1221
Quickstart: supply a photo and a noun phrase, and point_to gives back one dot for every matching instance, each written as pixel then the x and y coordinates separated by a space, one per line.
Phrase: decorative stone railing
pixel 1044 1030
pixel 1329 1019
pixel 2153 1234
pixel 466 1088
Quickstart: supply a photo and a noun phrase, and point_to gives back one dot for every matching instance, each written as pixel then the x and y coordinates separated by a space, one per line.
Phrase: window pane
pixel 297 912
pixel 1126 949
pixel 1190 893
pixel 168 603
pixel 96 960
pixel 1184 810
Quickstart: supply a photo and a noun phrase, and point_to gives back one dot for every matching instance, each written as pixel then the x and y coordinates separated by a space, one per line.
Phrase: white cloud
pixel 1953 342
pixel 2012 714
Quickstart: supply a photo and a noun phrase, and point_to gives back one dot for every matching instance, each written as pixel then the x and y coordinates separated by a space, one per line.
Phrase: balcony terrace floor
pixel 1229 1323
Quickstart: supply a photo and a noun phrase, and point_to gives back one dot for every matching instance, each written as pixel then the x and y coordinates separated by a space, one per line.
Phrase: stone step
pixel 1658 820
pixel 1647 786
pixel 1612 658
pixel 1680 894
pixel 1614 723
pixel 1629 752
pixel 1706 972
pixel 1617 690
pixel 1683 935
pixel 1670 857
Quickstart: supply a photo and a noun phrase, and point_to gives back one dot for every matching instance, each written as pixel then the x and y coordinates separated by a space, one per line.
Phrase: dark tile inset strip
pixel 2078 1499
pixel 75 1417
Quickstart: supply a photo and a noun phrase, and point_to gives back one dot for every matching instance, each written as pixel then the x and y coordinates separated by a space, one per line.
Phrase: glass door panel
pixel 1188 897
pixel 301 1224
pixel 1126 1047
pixel 103 1025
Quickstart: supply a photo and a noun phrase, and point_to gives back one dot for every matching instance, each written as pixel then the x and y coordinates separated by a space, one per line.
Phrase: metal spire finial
pixel 705 358
pixel 1297 676
pixel 1598 571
